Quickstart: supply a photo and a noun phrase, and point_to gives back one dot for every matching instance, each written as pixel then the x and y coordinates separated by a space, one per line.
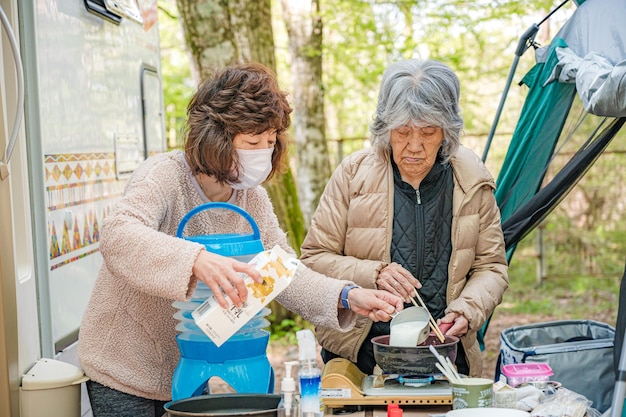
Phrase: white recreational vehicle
pixel 80 107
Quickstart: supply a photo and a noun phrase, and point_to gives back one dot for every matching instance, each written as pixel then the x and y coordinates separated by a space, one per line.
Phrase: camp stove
pixel 343 384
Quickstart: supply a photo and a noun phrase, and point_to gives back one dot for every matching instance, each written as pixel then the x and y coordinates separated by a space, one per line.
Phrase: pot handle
pixel 211 205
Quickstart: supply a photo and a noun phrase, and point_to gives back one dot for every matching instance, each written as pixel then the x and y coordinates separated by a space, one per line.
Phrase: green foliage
pixel 566 291
pixel 178 86
pixel 286 329
pixel 477 39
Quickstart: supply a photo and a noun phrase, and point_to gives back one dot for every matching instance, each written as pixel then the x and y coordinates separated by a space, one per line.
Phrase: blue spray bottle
pixel 309 376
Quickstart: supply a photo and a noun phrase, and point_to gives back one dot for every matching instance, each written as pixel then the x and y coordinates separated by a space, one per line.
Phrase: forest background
pixel 329 55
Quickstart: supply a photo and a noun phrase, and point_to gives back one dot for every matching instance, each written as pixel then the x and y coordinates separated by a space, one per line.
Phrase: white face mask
pixel 256 165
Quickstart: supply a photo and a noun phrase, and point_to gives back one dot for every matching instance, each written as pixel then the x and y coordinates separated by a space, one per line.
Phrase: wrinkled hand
pixel 397 280
pixel 221 273
pixel 460 325
pixel 375 304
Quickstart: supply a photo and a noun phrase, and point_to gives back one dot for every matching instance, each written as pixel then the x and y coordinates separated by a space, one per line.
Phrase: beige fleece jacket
pixel 127 336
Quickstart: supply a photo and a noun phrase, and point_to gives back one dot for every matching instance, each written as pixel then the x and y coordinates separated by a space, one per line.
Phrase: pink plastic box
pixel 520 373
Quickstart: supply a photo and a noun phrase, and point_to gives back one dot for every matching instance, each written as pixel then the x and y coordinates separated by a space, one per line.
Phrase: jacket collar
pixel 469 171
pixel 431 179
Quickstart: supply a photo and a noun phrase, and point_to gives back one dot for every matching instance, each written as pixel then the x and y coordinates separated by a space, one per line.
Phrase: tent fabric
pixel 532 144
pixel 600 85
pixel 590 53
pixel 527 217
pixel 588 56
pixel 595 57
pixel 597 26
pixel 534 139
pixel 620 325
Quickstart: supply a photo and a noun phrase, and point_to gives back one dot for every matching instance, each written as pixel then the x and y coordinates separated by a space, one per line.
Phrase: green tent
pixel 576 99
pixel 540 124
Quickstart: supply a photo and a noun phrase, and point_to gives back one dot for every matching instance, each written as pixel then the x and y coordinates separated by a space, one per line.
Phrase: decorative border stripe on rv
pixel 75 258
pixel 80 191
pixel 67 195
pixel 63 168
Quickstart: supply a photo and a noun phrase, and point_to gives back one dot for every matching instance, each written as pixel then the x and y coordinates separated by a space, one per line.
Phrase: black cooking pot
pixel 256 405
pixel 414 359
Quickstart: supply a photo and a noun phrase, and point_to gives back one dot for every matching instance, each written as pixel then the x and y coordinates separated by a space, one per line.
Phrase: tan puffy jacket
pixel 350 238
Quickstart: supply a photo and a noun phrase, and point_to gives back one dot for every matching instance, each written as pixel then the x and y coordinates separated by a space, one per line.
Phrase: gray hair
pixel 418 92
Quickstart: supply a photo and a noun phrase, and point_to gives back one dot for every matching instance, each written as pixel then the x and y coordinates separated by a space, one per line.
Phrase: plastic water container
pixel 188 326
pixel 241 360
pixel 242 247
pixel 235 245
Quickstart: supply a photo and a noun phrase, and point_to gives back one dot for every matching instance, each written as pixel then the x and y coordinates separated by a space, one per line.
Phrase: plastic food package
pixel 565 403
pixel 504 396
pixel 528 397
pixel 520 373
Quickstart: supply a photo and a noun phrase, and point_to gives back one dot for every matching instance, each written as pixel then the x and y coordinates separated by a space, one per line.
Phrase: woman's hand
pixel 397 280
pixel 460 325
pixel 221 273
pixel 375 304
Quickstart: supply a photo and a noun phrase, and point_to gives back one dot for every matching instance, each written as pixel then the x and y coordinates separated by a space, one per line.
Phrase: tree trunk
pixel 208 37
pixel 304 26
pixel 218 33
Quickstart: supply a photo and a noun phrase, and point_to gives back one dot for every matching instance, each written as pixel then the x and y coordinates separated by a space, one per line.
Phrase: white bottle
pixel 289 404
pixel 309 376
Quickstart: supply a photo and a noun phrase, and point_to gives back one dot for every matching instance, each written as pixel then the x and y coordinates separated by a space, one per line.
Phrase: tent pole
pixel 619 392
pixel 522 46
pixel 525 41
pixel 500 107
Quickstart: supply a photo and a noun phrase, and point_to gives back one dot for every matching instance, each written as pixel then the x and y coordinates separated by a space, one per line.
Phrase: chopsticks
pixel 445 366
pixel 433 323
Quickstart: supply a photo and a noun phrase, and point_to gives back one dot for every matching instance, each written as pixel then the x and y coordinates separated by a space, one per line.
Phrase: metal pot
pixel 414 359
pixel 256 405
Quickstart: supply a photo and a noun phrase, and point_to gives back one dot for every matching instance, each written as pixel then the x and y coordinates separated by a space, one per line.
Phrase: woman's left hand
pixel 460 325
pixel 376 304
pixel 398 280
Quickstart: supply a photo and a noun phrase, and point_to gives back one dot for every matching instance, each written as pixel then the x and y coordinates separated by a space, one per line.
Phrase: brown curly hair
pixel 241 98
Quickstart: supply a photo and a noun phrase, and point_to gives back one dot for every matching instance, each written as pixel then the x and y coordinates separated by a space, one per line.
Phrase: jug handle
pixel 444 327
pixel 206 206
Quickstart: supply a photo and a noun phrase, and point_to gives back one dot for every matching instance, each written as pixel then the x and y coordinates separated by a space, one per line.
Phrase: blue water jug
pixel 240 246
pixel 241 360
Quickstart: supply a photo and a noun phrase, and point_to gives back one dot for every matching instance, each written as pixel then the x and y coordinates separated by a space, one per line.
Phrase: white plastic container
pixel 290 402
pixel 51 388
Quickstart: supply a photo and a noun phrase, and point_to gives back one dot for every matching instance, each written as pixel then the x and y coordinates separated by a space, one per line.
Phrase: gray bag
pixel 580 352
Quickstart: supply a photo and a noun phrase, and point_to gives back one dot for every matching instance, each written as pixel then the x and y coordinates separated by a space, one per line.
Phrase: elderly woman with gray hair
pixel 416 211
